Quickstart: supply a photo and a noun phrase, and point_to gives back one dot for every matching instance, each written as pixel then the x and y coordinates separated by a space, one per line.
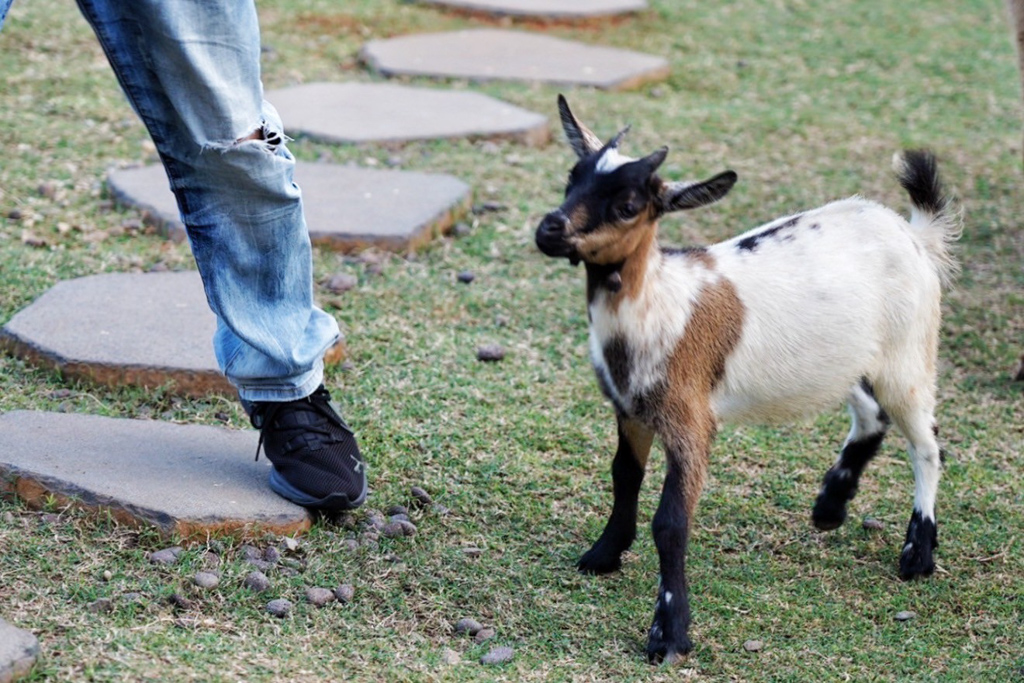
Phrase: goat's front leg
pixel 627 474
pixel 687 460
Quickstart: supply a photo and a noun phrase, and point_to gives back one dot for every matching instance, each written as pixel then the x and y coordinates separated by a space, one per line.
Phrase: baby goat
pixel 777 323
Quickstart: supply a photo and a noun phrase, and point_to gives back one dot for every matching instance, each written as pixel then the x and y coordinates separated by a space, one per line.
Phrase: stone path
pixel 496 54
pixel 18 652
pixel 545 9
pixel 185 480
pixel 138 329
pixel 389 113
pixel 346 208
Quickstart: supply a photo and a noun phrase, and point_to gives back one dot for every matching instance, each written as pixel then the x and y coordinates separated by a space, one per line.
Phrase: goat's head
pixel 613 201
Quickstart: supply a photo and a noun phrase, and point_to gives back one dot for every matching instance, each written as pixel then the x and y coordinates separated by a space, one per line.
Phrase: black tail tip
pixel 918 173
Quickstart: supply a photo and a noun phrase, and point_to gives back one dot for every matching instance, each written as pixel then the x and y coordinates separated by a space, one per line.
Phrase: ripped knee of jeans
pixel 264 136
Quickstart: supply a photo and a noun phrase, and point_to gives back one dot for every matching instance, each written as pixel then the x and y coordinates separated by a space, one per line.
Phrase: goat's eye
pixel 627 210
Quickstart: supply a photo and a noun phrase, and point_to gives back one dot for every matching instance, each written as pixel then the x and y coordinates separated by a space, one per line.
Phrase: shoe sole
pixel 333 503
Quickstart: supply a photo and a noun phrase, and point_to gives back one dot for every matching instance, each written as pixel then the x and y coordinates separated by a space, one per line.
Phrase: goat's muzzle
pixel 552 237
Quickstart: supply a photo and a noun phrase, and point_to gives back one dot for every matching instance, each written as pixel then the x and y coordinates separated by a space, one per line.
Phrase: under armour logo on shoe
pixel 359 464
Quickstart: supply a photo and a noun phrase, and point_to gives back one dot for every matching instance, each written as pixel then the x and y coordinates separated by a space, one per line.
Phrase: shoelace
pixel 267 412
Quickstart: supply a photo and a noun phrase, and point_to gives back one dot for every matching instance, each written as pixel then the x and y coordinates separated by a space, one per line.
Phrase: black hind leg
pixel 870 424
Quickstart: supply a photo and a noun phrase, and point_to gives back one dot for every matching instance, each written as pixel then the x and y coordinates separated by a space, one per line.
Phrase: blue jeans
pixel 191 70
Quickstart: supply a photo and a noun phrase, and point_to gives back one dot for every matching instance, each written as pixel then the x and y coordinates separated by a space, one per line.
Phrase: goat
pixel 778 323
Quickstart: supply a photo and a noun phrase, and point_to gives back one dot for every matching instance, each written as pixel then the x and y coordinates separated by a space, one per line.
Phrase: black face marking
pixel 751 243
pixel 608 198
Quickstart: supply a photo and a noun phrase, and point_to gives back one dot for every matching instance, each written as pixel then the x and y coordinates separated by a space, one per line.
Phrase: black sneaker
pixel 315 456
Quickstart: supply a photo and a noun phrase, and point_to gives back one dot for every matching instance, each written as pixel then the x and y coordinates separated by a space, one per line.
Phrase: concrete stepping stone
pixel 18 652
pixel 555 10
pixel 389 113
pixel 139 329
pixel 185 480
pixel 347 209
pixel 496 54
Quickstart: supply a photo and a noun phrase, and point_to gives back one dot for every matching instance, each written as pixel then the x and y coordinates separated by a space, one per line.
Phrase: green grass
pixel 807 101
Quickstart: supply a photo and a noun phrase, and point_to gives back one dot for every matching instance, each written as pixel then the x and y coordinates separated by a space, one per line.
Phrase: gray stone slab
pixel 496 54
pixel 18 652
pixel 389 113
pixel 347 209
pixel 545 9
pixel 185 480
pixel 143 329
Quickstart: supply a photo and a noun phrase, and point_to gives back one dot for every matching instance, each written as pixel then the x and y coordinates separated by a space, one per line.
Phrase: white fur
pixel 611 160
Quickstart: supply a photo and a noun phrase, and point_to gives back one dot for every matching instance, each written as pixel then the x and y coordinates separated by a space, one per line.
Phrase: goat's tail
pixel 936 220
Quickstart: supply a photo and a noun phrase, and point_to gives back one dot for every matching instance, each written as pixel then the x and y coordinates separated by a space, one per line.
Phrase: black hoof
pixel 600 560
pixel 660 651
pixel 828 514
pixel 916 560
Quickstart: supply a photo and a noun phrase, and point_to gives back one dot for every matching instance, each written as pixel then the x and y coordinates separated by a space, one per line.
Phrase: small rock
pixel 319 597
pixel 398 510
pixel 344 593
pixel 261 565
pixel 206 580
pixel 420 496
pixel 167 556
pixel 399 518
pixel 753 646
pixel 341 282
pixel 290 544
pixel 484 634
pixel 465 277
pixel 498 655
pixel 488 207
pixel 375 519
pixel 107 575
pixel 211 560
pixel 256 581
pixel 350 544
pixel 101 605
pixel 472 551
pixel 279 607
pixel 271 555
pixel 450 656
pixel 490 353
pixel 179 601
pixel 399 528
pixel 251 552
pixel 47 189
pixel 461 230
pixel 15 214
pixel 905 616
pixel 467 625
pixel 872 524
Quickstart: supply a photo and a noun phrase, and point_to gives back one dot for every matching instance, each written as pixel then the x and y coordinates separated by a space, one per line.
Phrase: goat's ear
pixel 650 163
pixel 581 139
pixel 687 195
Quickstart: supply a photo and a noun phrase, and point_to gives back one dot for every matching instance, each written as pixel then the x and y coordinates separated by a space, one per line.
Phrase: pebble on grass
pixel 498 655
pixel 341 282
pixel 344 593
pixel 905 616
pixel 279 607
pixel 256 581
pixel 167 556
pixel 466 276
pixel 490 353
pixel 207 580
pixel 484 634
pixel 420 495
pixel 101 605
pixel 467 625
pixel 753 646
pixel 271 554
pixel 319 597
pixel 871 523
pixel 397 510
pixel 398 529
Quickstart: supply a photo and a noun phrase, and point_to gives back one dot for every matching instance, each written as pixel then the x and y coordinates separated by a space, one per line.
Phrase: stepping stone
pixel 347 209
pixel 18 652
pixel 185 480
pixel 139 329
pixel 388 113
pixel 553 10
pixel 495 54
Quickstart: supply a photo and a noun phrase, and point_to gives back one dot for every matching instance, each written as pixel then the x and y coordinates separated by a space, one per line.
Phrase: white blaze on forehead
pixel 611 160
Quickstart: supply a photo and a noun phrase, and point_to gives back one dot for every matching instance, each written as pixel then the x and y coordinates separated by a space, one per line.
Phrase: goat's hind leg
pixel 605 555
pixel 870 424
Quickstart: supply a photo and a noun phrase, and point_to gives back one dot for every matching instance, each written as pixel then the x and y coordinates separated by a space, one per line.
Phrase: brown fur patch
pixel 640 439
pixel 687 424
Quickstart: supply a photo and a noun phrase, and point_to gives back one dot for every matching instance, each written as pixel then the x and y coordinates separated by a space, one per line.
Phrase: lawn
pixel 807 100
